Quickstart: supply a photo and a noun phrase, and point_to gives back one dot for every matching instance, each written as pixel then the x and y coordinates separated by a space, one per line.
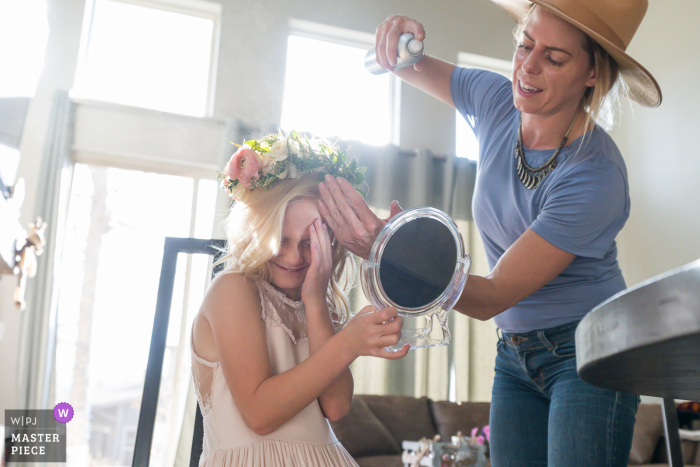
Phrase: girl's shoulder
pixel 231 293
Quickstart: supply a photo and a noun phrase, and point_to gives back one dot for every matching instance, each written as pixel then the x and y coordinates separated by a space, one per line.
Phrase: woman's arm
pixel 529 264
pixel 430 74
pixel 232 309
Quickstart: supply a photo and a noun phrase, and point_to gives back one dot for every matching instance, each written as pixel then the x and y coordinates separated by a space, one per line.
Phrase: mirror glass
pixel 418 263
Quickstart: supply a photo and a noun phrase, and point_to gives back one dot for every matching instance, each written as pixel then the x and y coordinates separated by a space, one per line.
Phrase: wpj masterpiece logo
pixel 37 435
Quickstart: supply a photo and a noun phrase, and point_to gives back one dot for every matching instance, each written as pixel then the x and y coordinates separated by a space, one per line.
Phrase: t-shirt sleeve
pixel 479 93
pixel 586 209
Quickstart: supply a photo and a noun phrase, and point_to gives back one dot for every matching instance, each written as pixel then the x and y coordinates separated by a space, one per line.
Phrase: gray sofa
pixel 376 426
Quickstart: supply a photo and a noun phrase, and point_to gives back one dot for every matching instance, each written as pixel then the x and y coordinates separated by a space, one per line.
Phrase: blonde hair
pixel 254 234
pixel 602 100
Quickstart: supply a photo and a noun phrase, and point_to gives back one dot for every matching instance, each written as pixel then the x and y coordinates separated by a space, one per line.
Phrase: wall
pixel 660 146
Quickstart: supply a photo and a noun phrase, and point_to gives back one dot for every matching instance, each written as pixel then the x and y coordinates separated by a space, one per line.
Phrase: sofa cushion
pixel 451 417
pixel 362 434
pixel 406 418
pixel 648 428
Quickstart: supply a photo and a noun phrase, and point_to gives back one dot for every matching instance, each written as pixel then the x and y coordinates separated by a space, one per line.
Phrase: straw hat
pixel 611 24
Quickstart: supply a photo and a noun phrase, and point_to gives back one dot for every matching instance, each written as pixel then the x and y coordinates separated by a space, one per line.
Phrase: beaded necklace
pixel 529 176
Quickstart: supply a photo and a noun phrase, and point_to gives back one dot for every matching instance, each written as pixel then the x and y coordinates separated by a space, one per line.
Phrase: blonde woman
pixel 273 339
pixel 551 195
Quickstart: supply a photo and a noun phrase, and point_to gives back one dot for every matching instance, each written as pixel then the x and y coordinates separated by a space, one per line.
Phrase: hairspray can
pixel 409 52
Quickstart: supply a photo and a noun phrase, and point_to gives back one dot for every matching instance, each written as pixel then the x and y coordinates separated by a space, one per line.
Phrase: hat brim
pixel 642 87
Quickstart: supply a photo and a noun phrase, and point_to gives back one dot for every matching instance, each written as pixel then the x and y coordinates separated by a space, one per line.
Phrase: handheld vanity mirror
pixel 418 265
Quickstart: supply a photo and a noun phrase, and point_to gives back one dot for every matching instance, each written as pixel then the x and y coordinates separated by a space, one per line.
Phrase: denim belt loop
pixel 544 339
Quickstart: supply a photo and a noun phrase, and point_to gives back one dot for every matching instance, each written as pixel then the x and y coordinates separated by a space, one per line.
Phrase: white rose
pixel 278 151
pixel 265 161
pixel 294 146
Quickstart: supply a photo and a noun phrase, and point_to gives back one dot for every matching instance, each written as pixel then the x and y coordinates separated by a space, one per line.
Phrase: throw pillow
pixel 362 434
pixel 406 418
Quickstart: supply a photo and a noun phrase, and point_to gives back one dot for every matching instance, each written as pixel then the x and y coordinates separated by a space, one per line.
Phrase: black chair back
pixel 154 370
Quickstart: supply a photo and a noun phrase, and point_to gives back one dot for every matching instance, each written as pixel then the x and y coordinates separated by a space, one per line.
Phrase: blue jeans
pixel 543 414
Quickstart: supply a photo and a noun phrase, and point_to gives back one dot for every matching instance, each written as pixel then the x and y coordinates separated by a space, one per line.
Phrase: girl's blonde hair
pixel 254 234
pixel 601 101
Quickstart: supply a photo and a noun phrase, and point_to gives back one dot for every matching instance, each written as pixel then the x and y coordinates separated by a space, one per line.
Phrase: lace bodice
pixel 280 310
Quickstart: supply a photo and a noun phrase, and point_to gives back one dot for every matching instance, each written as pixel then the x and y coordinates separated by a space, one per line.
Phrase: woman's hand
pixel 371 330
pixel 313 290
pixel 387 39
pixel 354 224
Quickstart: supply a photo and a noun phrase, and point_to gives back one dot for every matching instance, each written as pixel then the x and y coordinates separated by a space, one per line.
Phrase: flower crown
pixel 264 162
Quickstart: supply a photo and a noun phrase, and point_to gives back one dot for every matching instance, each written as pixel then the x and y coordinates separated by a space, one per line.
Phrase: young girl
pixel 273 339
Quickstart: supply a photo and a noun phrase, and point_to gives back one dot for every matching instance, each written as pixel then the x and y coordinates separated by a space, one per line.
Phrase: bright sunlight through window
pixel 329 93
pixel 23 33
pixel 147 57
pixel 466 142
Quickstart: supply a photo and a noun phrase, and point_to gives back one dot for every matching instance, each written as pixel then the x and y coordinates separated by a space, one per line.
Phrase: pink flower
pixel 486 431
pixel 243 166
pixel 474 432
pixel 480 439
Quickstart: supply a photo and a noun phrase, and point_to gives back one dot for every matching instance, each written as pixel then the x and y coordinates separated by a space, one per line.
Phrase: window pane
pixel 329 93
pixel 117 222
pixel 147 57
pixel 9 160
pixel 206 207
pixel 467 144
pixel 23 33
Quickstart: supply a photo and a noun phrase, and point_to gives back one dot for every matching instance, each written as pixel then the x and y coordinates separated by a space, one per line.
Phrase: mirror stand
pixel 435 333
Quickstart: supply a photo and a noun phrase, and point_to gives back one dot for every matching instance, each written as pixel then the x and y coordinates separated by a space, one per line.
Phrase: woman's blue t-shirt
pixel 579 207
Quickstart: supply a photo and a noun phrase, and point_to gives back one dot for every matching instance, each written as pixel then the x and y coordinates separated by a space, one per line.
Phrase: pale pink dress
pixel 305 440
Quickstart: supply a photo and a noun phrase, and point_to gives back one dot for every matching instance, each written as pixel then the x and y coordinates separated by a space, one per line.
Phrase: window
pixel 467 145
pixel 329 93
pixel 150 54
pixel 23 33
pixel 112 253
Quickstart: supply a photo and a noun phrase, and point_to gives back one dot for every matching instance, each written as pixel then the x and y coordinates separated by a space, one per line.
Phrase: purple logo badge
pixel 63 412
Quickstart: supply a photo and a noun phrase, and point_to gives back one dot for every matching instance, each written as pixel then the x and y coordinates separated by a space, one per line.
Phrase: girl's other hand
pixel 371 330
pixel 387 39
pixel 313 290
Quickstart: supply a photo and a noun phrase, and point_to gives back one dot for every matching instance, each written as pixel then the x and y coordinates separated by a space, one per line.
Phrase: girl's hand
pixel 313 291
pixel 371 330
pixel 387 39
